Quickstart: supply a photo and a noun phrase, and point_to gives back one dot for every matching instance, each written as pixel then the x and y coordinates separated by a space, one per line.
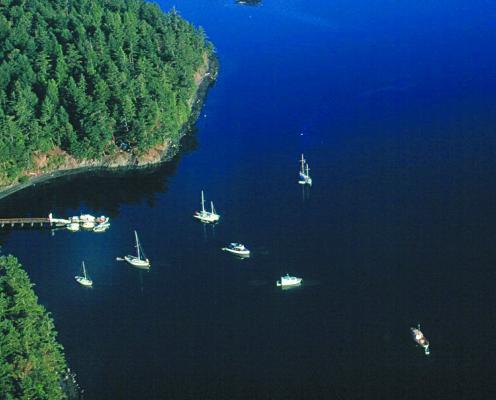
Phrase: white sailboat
pixel 140 259
pixel 84 280
pixel 305 178
pixel 204 215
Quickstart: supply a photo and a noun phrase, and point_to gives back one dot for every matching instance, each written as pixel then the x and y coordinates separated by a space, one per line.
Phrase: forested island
pixel 32 363
pixel 94 83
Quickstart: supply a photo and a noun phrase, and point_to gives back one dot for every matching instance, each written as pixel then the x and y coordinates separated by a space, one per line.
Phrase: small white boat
pixel 289 281
pixel 204 215
pixel 305 178
pixel 88 225
pixel 238 249
pixel 101 227
pixel 87 218
pixel 84 280
pixel 73 226
pixel 140 259
pixel 420 339
pixel 102 219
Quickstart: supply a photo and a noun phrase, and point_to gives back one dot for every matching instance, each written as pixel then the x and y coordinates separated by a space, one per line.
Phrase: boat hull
pixel 88 225
pixel 206 217
pixel 242 253
pixel 83 281
pixel 101 227
pixel 420 339
pixel 295 282
pixel 73 226
pixel 137 262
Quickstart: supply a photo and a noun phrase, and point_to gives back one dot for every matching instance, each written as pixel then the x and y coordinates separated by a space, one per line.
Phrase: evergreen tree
pixel 88 75
pixel 32 363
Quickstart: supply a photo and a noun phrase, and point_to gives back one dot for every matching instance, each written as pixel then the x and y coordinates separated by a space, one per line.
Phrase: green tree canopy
pixel 85 75
pixel 32 363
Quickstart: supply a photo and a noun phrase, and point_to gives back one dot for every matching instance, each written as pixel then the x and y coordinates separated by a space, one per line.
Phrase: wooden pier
pixel 25 221
pixel 50 221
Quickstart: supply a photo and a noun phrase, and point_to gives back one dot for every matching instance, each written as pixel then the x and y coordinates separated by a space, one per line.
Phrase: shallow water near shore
pixel 394 108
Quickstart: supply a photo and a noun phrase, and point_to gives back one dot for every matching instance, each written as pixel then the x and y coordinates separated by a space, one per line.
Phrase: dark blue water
pixel 394 105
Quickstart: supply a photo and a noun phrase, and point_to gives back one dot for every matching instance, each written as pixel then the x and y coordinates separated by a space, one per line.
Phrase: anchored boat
pixel 305 178
pixel 289 281
pixel 140 259
pixel 204 215
pixel 84 280
pixel 238 249
pixel 420 339
pixel 102 227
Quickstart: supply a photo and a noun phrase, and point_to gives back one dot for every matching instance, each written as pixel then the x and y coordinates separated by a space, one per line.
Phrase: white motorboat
pixel 305 178
pixel 102 219
pixel 238 249
pixel 102 227
pixel 88 225
pixel 289 281
pixel 86 218
pixel 421 340
pixel 140 259
pixel 73 226
pixel 84 280
pixel 204 215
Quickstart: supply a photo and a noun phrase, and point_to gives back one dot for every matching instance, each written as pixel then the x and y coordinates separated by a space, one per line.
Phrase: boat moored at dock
pixel 102 227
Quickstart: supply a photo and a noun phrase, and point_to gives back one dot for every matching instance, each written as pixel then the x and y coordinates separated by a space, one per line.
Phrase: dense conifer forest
pixel 89 78
pixel 32 364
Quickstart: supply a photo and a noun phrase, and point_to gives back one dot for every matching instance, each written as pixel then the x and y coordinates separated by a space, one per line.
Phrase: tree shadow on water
pixel 99 191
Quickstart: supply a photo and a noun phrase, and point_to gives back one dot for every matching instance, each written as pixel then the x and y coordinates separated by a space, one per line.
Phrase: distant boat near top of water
pixel 84 280
pixel 204 215
pixel 421 340
pixel 237 249
pixel 305 178
pixel 140 259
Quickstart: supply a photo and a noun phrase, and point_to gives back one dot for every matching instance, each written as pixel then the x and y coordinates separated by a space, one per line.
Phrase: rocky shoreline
pixel 125 161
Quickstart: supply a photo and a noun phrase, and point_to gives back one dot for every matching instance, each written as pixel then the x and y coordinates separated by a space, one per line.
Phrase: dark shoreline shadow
pixel 103 191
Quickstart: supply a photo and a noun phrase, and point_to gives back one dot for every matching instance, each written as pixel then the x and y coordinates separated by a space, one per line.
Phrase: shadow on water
pixel 105 191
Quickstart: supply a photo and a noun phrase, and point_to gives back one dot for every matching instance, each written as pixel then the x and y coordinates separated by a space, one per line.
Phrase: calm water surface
pixel 394 105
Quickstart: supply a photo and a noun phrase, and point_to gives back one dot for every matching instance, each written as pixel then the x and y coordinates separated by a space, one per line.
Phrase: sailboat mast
pixel 203 201
pixel 308 169
pixel 84 271
pixel 302 164
pixel 212 207
pixel 137 244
